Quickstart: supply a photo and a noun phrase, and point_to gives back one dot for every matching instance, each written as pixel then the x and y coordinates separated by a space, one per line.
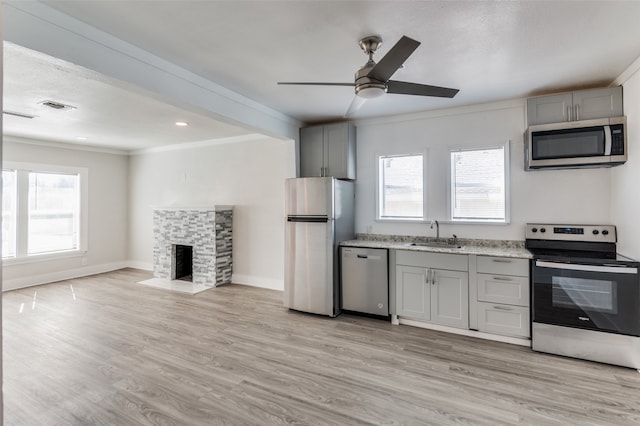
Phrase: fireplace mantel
pixel 211 208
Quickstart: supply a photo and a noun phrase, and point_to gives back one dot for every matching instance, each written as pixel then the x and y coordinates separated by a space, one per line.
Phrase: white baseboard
pixel 145 266
pixel 68 274
pixel 30 281
pixel 261 282
pixel 463 332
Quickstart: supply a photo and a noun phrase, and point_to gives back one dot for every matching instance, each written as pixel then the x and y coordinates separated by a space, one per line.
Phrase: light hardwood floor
pixel 103 350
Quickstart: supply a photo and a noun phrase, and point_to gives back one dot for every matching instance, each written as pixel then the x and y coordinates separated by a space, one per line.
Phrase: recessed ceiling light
pixel 81 138
pixel 182 123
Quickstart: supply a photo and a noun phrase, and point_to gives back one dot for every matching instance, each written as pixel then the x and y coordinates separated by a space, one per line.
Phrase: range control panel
pixel 548 231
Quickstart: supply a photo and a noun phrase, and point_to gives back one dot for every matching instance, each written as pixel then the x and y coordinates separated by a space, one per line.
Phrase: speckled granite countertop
pixel 500 248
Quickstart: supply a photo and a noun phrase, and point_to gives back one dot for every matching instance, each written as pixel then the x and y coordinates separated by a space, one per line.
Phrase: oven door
pixel 593 297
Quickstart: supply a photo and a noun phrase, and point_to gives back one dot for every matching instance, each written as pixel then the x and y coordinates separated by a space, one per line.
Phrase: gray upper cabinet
pixel 328 150
pixel 581 105
pixel 312 151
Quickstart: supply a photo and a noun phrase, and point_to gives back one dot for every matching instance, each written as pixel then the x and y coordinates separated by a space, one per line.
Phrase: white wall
pixel 249 175
pixel 108 210
pixel 572 196
pixel 625 182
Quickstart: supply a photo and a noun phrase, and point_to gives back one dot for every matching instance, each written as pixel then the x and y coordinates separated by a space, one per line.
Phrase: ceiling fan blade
pixel 356 103
pixel 304 83
pixel 395 57
pixel 405 88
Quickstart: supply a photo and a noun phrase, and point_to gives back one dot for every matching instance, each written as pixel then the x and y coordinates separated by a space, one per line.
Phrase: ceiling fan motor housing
pixel 367 87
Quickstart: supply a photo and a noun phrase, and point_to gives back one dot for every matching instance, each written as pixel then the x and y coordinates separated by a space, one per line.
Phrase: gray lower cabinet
pixel 427 292
pixel 507 320
pixel 450 298
pixel 502 303
pixel 413 293
pixel 328 150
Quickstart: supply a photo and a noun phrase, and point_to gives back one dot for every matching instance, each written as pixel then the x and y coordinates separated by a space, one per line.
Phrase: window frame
pixel 22 182
pixel 507 187
pixel 378 188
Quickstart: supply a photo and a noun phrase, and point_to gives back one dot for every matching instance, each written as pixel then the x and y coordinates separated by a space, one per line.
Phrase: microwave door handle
pixel 607 140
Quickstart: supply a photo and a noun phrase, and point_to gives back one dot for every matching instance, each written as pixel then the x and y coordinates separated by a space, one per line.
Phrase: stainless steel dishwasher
pixel 365 281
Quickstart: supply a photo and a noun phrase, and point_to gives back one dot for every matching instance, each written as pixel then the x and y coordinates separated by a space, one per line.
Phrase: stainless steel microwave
pixel 576 144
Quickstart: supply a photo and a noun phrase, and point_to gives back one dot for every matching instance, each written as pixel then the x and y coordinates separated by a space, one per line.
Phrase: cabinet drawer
pixel 503 266
pixel 510 290
pixel 503 319
pixel 452 262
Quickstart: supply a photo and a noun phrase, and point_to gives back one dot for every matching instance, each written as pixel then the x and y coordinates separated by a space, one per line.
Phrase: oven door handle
pixel 587 268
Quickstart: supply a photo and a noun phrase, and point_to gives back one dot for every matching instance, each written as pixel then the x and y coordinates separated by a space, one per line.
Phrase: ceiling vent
pixel 56 105
pixel 18 114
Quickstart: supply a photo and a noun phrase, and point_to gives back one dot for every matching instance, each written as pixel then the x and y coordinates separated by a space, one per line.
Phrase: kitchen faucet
pixel 437 228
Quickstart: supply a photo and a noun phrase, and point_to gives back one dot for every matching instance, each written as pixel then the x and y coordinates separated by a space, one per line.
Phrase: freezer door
pixel 308 277
pixel 309 196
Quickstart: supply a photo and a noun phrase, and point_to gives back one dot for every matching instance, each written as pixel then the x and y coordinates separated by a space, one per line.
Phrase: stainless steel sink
pixel 437 244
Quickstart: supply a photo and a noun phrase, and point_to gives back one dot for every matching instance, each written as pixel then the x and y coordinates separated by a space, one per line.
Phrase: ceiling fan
pixel 373 79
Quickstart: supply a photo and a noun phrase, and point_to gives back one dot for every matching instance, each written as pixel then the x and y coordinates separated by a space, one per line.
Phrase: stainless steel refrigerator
pixel 319 214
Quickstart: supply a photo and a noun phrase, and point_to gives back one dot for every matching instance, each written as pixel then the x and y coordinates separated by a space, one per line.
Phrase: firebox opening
pixel 184 263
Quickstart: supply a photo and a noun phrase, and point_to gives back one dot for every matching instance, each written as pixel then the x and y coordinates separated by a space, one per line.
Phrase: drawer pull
pixel 502 260
pixel 502 279
pixel 502 308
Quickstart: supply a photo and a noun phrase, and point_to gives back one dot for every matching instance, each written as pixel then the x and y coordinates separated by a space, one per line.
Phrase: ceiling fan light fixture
pixel 371 91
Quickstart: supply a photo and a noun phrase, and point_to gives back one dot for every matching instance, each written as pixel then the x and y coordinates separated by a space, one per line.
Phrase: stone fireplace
pixel 193 244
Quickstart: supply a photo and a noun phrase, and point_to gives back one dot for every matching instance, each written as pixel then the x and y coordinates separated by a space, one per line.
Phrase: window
pixel 479 185
pixel 401 187
pixel 42 210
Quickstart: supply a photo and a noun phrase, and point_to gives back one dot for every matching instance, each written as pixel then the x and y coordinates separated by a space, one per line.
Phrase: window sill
pixel 45 257
pixel 476 222
pixel 443 222
pixel 401 220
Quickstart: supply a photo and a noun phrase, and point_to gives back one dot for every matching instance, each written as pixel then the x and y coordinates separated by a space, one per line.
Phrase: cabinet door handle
pixel 433 277
pixel 577 112
pixel 502 279
pixel 569 108
pixel 502 308
pixel 427 276
pixel 502 260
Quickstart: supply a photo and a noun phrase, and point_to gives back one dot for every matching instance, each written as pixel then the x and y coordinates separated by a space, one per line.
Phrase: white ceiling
pixel 107 113
pixel 490 50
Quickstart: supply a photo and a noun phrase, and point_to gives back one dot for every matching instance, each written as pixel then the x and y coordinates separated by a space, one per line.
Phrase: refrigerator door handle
pixel 308 219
